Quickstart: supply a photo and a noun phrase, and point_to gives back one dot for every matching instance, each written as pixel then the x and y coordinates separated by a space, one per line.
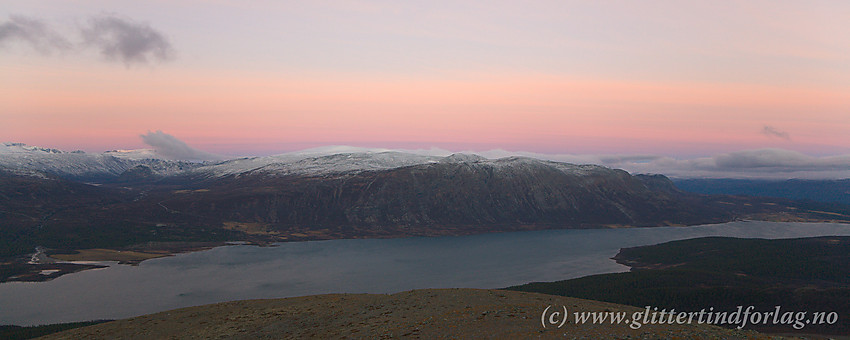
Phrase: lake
pixel 351 266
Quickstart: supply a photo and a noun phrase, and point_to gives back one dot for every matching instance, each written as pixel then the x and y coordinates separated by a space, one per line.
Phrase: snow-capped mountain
pixel 136 155
pixel 303 163
pixel 319 163
pixel 82 165
pixel 335 193
pixel 311 162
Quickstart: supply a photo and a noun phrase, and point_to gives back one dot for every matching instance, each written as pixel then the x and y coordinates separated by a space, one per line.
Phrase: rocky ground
pixel 426 314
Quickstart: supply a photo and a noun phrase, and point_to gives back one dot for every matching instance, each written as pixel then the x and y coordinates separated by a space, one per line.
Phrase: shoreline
pixel 133 255
pixel 48 264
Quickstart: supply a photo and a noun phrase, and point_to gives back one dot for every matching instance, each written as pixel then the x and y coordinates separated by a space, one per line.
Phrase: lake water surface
pixel 350 266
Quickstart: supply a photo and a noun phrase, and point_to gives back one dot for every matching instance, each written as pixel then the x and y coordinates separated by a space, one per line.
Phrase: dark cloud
pixel 770 131
pixel 170 147
pixel 116 38
pixel 126 40
pixel 34 33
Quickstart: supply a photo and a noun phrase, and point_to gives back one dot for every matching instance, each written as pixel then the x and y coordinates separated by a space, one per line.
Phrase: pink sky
pixel 553 77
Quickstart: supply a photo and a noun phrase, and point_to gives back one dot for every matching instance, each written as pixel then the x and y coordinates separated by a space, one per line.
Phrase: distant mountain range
pixel 82 166
pixel 72 200
pixel 831 191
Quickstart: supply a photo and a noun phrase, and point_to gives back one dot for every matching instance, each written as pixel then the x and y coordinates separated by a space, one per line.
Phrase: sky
pixel 680 79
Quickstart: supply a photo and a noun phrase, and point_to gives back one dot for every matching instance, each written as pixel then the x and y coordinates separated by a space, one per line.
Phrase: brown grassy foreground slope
pixel 427 314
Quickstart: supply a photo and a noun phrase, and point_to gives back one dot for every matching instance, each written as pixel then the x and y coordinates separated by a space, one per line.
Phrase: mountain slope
pixel 38 209
pixel 474 195
pixel 427 314
pixel 350 195
pixel 830 191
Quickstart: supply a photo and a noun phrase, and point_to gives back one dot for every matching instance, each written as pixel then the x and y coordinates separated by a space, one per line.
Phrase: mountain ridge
pixel 308 196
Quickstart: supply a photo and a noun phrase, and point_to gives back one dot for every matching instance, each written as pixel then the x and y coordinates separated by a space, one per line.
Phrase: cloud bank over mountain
pixel 170 147
pixel 759 163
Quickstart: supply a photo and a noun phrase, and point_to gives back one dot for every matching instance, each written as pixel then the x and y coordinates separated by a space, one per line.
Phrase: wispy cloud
pixel 170 147
pixel 33 32
pixel 126 40
pixel 116 38
pixel 770 131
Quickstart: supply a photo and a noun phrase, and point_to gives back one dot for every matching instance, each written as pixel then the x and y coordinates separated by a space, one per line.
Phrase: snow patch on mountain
pixel 348 162
pixel 519 163
pixel 79 164
pixel 136 155
pixel 324 162
pixel 462 158
pixel 316 161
